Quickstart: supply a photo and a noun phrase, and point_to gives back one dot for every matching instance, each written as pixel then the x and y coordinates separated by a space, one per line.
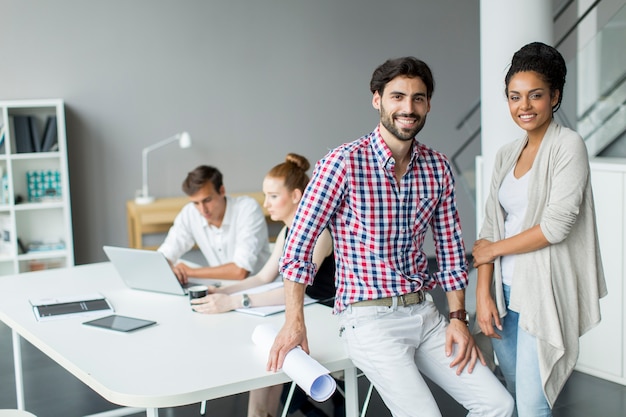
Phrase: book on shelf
pixel 28 137
pixel 23 137
pixel 35 137
pixel 2 135
pixel 21 247
pixel 50 135
pixel 41 246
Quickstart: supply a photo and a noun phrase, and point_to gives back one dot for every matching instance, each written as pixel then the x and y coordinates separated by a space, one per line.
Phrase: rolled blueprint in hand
pixel 305 371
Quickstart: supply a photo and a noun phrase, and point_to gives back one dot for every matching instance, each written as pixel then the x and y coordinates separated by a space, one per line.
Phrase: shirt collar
pixel 228 216
pixel 383 153
pixel 228 213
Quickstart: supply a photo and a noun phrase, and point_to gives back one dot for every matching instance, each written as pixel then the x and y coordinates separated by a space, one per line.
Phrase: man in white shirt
pixel 230 232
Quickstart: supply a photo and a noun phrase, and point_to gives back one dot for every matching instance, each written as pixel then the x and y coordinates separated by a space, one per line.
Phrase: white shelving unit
pixel 603 349
pixel 35 230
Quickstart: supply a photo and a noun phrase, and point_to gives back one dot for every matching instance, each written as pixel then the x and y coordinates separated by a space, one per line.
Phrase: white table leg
pixel 152 412
pixel 351 392
pixel 17 364
pixel 118 412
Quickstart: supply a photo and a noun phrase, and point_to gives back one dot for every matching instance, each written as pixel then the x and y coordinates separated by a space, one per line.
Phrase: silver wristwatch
pixel 245 301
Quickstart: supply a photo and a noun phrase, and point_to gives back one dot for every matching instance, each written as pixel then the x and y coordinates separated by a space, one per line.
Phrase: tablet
pixel 120 323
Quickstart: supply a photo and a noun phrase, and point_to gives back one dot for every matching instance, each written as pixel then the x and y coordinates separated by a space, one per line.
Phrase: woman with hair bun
pixel 540 273
pixel 283 187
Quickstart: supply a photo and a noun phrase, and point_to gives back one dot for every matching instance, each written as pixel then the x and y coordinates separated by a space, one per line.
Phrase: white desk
pixel 184 359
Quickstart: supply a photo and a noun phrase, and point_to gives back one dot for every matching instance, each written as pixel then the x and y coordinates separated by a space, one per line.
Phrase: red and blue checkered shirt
pixel 378 226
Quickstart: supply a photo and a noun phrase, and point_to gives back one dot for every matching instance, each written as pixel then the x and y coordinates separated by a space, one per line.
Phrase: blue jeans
pixel 519 363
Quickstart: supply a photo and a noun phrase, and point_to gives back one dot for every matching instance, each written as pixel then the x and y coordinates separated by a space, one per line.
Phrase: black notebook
pixel 49 134
pixel 23 137
pixel 65 307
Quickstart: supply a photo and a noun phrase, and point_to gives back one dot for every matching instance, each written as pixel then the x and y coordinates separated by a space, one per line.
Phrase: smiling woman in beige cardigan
pixel 540 273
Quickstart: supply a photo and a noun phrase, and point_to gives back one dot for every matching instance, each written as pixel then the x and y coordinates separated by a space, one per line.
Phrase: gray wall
pixel 250 80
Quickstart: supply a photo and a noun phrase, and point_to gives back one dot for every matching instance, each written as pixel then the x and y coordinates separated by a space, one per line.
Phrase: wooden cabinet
pixel 153 218
pixel 35 215
pixel 158 216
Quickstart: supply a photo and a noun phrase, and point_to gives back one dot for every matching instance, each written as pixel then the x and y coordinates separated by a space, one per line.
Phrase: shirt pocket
pixel 421 213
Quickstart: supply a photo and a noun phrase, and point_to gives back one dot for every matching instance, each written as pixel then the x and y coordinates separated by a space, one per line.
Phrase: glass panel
pixel 600 68
pixel 594 101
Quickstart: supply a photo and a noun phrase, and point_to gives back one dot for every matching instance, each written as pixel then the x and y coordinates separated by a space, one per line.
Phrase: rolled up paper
pixel 305 371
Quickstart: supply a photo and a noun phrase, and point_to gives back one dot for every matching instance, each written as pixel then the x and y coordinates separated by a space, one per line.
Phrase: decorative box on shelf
pixel 43 185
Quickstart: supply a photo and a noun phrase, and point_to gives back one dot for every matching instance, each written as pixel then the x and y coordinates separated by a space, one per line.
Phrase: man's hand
pixel 293 332
pixel 182 272
pixel 291 335
pixel 457 334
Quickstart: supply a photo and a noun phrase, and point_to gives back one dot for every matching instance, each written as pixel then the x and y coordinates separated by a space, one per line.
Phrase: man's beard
pixel 401 133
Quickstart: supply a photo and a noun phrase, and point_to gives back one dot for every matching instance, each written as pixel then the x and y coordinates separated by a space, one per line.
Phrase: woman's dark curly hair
pixel 545 61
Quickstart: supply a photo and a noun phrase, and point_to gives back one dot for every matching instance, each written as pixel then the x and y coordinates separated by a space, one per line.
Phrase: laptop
pixel 146 270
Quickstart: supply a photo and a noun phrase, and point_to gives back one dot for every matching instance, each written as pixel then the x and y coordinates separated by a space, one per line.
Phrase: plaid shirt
pixel 378 226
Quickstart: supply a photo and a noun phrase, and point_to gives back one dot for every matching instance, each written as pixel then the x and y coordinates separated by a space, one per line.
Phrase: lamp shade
pixel 184 141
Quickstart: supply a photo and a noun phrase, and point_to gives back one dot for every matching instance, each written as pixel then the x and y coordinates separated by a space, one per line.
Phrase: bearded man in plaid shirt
pixel 379 195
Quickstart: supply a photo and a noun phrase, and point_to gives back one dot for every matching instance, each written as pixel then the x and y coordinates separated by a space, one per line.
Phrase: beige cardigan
pixel 556 289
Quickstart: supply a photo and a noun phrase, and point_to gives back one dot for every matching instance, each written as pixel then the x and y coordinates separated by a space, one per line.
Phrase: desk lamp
pixel 184 141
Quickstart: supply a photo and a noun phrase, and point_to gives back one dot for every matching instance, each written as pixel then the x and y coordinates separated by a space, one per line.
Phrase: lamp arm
pixel 161 143
pixel 144 172
pixel 144 161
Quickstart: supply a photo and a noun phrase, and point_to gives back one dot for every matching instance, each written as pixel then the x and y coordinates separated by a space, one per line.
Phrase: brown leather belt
pixel 403 300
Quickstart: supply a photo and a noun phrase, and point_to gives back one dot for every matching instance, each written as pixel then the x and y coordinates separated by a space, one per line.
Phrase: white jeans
pixel 391 345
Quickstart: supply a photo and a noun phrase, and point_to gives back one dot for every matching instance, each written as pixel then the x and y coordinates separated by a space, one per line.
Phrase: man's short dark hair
pixel 408 66
pixel 199 177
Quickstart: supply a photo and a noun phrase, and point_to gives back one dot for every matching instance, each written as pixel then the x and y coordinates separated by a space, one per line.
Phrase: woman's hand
pixel 215 303
pixel 483 252
pixel 212 289
pixel 487 316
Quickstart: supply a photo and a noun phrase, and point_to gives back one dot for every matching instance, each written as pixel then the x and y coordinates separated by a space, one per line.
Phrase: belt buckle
pixel 403 300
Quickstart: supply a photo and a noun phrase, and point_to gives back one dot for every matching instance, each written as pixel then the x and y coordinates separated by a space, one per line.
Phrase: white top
pixel 242 237
pixel 513 197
